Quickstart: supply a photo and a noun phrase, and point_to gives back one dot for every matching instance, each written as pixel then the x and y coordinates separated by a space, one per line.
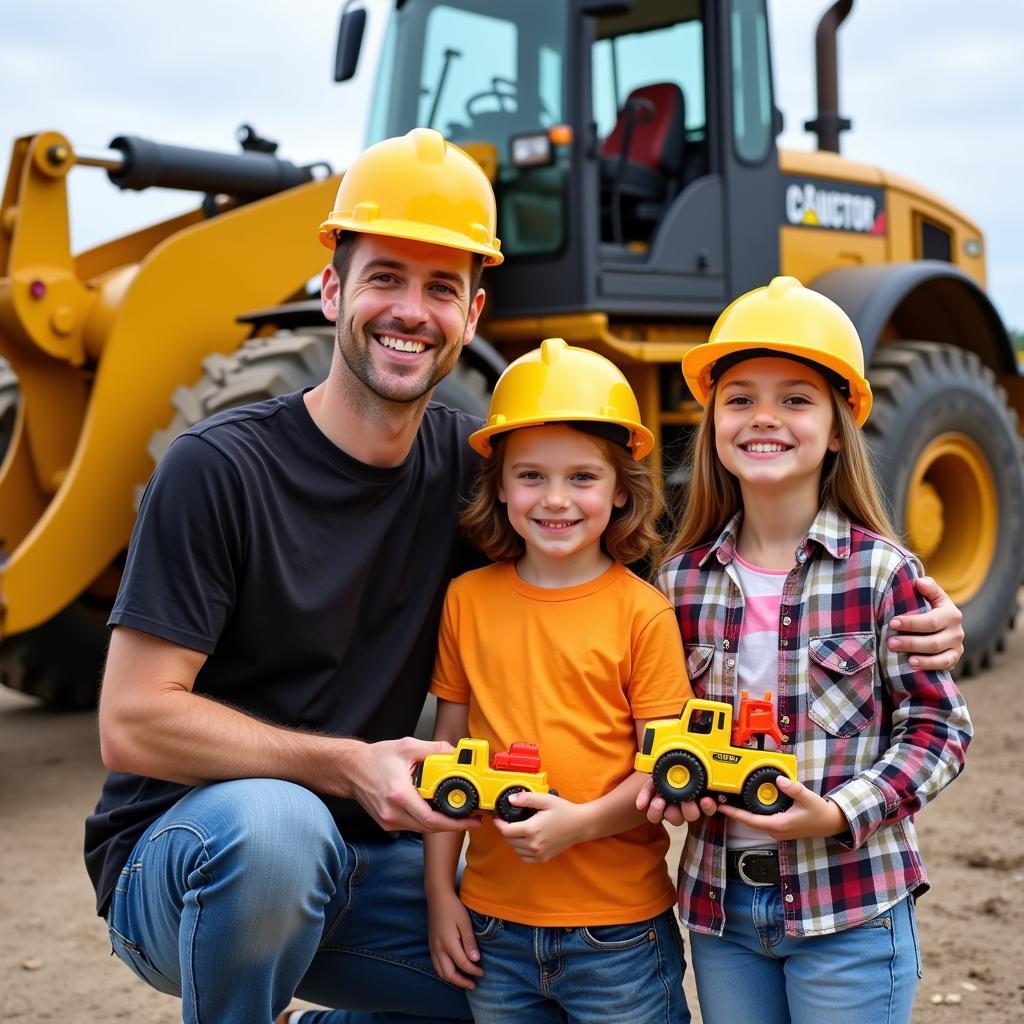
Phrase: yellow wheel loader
pixel 632 147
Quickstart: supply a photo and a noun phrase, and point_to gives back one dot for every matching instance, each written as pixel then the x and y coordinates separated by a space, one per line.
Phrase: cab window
pixel 701 721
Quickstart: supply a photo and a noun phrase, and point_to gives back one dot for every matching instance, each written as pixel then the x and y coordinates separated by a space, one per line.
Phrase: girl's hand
pixel 810 816
pixel 656 808
pixel 453 948
pixel 557 825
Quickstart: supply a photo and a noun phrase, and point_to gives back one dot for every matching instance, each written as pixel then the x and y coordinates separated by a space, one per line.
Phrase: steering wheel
pixel 504 90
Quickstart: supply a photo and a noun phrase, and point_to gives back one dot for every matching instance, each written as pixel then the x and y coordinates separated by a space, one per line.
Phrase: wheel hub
pixel 952 514
pixel 678 776
pixel 456 798
pixel 767 793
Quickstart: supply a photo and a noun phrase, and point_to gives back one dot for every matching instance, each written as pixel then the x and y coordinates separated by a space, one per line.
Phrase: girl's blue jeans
pixel 245 893
pixel 607 974
pixel 755 972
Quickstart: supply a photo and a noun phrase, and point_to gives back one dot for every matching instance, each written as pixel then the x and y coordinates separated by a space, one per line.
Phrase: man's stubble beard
pixel 359 360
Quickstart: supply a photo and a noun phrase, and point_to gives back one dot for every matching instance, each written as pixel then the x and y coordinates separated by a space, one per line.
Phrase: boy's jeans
pixel 604 974
pixel 755 972
pixel 244 893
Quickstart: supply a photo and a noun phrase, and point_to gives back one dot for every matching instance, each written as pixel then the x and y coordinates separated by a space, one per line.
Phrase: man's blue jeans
pixel 245 893
pixel 755 972
pixel 601 974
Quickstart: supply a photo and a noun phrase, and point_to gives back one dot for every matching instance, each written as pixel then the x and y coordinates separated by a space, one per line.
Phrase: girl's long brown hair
pixel 631 532
pixel 847 483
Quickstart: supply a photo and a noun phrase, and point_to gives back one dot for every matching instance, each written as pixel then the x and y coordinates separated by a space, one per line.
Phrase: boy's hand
pixel 934 639
pixel 811 816
pixel 453 948
pixel 557 825
pixel 658 809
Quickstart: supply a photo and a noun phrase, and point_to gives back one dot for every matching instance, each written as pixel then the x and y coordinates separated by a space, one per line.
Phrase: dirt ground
pixel 55 962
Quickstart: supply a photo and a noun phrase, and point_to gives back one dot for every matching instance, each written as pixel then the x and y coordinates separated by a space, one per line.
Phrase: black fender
pixel 926 300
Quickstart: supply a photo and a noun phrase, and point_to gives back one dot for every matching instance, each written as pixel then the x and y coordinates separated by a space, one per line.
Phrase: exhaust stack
pixel 828 124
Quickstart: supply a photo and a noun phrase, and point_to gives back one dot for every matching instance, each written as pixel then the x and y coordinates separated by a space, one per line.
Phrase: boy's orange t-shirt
pixel 570 670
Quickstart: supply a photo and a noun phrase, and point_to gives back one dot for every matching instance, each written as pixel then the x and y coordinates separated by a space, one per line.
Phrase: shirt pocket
pixel 842 682
pixel 698 661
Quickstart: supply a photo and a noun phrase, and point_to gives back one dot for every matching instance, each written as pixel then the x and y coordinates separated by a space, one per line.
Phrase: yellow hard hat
pixel 558 383
pixel 787 318
pixel 421 187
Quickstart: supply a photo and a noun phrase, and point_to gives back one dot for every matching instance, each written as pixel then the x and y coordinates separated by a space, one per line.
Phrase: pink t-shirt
pixel 757 666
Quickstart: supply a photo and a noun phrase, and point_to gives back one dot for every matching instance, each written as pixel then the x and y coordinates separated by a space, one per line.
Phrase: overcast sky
pixel 934 87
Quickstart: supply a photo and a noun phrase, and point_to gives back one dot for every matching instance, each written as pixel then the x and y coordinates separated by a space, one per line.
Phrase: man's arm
pixel 933 639
pixel 152 723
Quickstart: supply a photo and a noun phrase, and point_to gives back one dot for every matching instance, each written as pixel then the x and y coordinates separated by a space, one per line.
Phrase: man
pixel 281 597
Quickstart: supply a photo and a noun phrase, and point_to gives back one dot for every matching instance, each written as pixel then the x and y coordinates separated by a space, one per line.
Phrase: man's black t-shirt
pixel 313 581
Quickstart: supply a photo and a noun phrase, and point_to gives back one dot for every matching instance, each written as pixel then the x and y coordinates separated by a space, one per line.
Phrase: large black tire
pixel 261 368
pixel 61 661
pixel 949 458
pixel 267 367
pixel 8 404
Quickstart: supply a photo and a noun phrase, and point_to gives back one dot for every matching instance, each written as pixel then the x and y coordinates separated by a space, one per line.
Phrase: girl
pixel 784 573
pixel 567 913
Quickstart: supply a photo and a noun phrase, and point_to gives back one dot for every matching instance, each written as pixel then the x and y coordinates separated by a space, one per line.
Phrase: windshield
pixel 481 72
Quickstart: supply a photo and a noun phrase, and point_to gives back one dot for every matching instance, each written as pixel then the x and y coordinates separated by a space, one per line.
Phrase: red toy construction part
pixel 756 717
pixel 520 757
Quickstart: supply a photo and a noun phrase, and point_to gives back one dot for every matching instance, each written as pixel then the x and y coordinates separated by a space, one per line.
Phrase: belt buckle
pixel 743 874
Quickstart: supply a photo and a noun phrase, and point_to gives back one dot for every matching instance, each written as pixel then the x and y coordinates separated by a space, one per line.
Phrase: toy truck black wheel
pixel 949 454
pixel 761 794
pixel 456 798
pixel 679 776
pixel 508 811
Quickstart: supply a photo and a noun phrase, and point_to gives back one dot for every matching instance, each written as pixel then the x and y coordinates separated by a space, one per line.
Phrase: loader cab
pixel 631 144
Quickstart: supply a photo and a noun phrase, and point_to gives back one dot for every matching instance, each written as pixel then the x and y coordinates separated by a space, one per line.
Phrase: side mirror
pixel 778 121
pixel 350 41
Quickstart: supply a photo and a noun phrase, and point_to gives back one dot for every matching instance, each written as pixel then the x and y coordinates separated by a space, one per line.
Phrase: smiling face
pixel 774 424
pixel 403 314
pixel 559 489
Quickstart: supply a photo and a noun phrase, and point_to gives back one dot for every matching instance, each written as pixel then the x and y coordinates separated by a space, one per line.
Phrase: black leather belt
pixel 755 867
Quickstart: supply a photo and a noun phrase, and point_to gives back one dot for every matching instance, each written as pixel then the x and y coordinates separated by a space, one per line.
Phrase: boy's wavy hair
pixel 848 483
pixel 631 533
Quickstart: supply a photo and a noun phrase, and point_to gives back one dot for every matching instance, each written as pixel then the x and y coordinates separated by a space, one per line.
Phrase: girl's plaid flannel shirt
pixel 869 732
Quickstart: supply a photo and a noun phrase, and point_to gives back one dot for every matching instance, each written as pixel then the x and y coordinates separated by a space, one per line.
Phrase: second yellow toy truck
pixel 464 780
pixel 695 754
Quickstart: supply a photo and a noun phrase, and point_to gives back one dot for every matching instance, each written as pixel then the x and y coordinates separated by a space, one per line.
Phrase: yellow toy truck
pixel 698 753
pixel 464 780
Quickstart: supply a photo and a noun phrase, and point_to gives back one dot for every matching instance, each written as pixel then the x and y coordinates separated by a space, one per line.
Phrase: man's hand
pixel 658 809
pixel 810 816
pixel 379 777
pixel 934 639
pixel 557 825
pixel 453 948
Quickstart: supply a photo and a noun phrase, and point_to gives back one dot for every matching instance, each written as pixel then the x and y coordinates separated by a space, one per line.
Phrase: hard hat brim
pixel 413 230
pixel 698 363
pixel 641 440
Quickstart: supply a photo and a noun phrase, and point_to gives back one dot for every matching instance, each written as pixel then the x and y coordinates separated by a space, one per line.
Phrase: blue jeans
pixel 602 974
pixel 755 972
pixel 245 894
